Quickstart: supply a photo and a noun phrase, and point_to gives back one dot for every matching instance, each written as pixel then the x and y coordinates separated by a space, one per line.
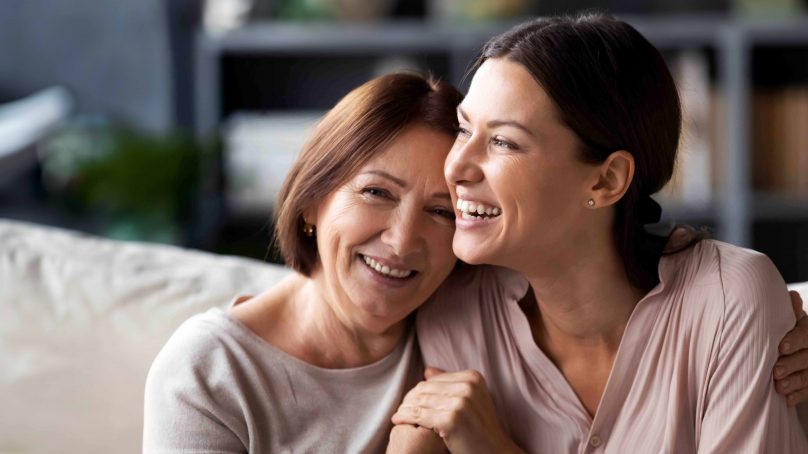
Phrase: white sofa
pixel 81 319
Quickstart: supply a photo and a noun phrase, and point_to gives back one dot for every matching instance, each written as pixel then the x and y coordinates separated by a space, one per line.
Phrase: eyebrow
pixel 442 195
pixel 383 174
pixel 402 183
pixel 495 123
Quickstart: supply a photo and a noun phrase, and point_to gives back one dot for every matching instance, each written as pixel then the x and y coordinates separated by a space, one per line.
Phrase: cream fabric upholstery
pixel 81 319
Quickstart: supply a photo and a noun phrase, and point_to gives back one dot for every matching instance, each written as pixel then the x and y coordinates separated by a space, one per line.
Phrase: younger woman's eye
pixel 463 132
pixel 500 142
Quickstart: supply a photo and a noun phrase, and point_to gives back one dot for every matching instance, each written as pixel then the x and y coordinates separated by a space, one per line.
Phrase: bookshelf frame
pixel 735 206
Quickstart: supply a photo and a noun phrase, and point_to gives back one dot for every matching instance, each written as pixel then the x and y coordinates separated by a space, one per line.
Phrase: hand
pixel 791 368
pixel 405 438
pixel 458 407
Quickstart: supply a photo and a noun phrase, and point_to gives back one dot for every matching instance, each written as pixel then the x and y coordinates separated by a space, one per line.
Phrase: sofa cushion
pixel 81 319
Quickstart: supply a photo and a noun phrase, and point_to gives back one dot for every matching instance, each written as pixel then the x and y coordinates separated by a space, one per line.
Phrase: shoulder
pixel 193 396
pixel 204 343
pixel 752 293
pixel 735 269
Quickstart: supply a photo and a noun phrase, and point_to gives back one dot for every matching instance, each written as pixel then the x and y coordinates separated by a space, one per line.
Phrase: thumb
pixel 432 371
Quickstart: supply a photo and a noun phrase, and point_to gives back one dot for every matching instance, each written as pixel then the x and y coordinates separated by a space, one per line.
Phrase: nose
pixel 404 234
pixel 462 163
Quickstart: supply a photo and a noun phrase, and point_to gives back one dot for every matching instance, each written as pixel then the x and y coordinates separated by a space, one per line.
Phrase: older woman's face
pixel 518 185
pixel 385 237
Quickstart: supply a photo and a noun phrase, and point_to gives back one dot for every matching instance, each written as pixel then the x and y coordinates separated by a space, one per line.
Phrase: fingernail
pixel 779 372
pixel 786 347
pixel 785 384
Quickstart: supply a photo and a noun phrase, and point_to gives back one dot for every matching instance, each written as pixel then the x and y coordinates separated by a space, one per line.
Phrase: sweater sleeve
pixel 187 407
pixel 743 413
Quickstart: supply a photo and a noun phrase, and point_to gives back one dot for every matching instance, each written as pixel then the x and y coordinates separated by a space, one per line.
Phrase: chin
pixel 466 252
pixel 378 319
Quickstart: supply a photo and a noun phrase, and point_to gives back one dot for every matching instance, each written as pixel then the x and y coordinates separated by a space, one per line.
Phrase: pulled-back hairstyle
pixel 362 124
pixel 615 92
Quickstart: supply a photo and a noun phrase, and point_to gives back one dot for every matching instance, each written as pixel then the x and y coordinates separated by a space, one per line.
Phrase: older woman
pixel 319 362
pixel 604 338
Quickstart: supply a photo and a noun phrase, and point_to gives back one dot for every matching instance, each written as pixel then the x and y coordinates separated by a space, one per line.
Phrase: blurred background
pixel 174 121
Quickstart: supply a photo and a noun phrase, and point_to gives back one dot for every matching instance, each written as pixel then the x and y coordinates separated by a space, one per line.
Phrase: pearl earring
pixel 308 229
pixel 590 203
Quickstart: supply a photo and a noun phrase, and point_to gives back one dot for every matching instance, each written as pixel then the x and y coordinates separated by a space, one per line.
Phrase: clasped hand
pixel 457 407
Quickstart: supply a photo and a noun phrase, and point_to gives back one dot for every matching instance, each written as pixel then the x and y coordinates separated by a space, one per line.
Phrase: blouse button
pixel 595 441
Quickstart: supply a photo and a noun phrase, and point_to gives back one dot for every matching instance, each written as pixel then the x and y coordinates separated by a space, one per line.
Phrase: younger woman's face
pixel 518 185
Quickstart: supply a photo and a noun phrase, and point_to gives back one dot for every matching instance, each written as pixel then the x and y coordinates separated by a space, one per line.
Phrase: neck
pixel 328 337
pixel 582 305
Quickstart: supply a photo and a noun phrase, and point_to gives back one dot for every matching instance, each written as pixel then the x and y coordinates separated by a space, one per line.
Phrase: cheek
pixel 441 247
pixel 346 226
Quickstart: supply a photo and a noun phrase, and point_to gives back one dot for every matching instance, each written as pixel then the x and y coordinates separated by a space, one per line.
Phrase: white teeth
pixel 476 210
pixel 386 270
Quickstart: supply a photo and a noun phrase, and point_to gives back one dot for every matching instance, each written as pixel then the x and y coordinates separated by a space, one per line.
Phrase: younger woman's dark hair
pixel 615 92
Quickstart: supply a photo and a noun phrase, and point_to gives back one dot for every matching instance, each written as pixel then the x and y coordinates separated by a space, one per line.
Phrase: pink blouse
pixel 692 373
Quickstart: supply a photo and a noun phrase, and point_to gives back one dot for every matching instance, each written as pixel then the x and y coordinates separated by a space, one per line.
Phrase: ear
pixel 614 178
pixel 310 214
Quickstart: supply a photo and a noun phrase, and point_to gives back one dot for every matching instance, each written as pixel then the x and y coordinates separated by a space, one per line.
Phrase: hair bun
pixel 649 211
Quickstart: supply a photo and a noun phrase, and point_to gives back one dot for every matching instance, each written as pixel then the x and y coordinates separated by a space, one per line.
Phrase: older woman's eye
pixel 502 143
pixel 377 192
pixel 444 213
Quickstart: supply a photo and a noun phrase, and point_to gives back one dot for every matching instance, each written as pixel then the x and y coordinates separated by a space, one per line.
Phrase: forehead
pixel 504 89
pixel 418 151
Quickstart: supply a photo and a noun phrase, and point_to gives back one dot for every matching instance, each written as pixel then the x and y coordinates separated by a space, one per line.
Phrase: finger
pixel 432 371
pixel 438 402
pixel 787 365
pixel 470 376
pixel 796 339
pixel 438 420
pixel 792 383
pixel 797 398
pixel 796 304
pixel 419 394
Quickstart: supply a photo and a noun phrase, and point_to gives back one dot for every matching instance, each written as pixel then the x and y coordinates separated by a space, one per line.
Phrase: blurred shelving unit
pixel 283 67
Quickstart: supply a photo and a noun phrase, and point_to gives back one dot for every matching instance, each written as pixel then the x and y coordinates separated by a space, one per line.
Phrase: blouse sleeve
pixel 743 413
pixel 183 410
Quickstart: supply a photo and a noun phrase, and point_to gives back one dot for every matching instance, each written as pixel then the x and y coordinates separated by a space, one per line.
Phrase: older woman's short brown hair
pixel 361 125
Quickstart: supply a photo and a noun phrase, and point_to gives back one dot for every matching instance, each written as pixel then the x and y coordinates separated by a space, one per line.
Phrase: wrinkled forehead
pixel 415 157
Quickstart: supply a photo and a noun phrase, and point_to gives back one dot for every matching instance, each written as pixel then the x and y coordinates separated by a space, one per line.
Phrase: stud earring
pixel 308 229
pixel 590 203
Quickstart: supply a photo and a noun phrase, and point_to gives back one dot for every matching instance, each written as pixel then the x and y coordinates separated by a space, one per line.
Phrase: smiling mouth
pixel 476 210
pixel 386 271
